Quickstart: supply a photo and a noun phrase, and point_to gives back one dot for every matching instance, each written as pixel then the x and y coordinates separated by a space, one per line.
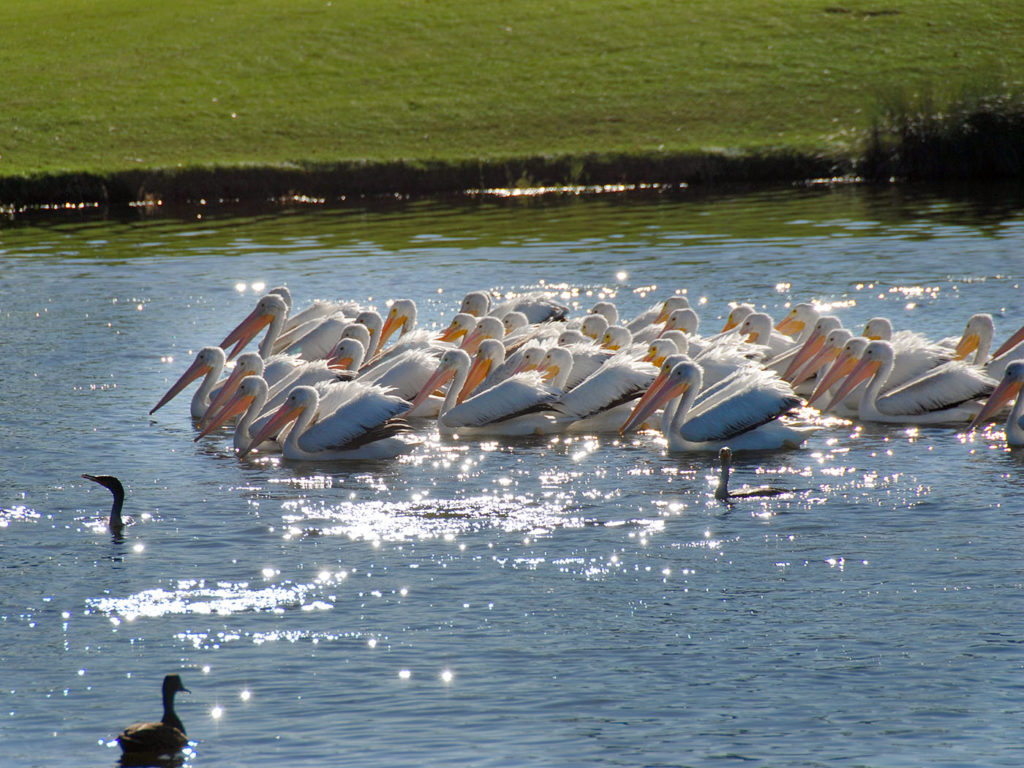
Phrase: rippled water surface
pixel 553 601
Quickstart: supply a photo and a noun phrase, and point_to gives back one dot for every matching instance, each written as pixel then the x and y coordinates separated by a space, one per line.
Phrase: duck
pixel 722 492
pixel 164 737
pixel 112 484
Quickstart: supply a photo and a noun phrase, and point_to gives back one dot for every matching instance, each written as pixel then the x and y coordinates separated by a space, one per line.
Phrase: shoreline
pixel 331 182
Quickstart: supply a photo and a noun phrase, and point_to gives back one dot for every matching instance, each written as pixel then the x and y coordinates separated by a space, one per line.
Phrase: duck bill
pixel 477 373
pixel 865 369
pixel 245 331
pixel 810 348
pixel 844 363
pixel 284 415
pixel 966 345
pixel 815 364
pixel 234 406
pixel 437 379
pixel 1010 343
pixel 228 388
pixel 1004 393
pixel 663 394
pixel 790 326
pixel 195 371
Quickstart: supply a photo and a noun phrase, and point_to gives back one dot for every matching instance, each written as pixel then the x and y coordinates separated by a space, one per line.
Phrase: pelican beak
pixel 285 414
pixel 729 324
pixel 341 363
pixel 226 391
pixel 1004 393
pixel 234 406
pixel 607 343
pixel 642 402
pixel 864 369
pixel 663 314
pixel 195 371
pixel 824 356
pixel 392 324
pixel 551 372
pixel 810 348
pixel 871 337
pixel 472 341
pixel 966 345
pixel 452 332
pixel 752 337
pixel 841 367
pixel 652 400
pixel 790 326
pixel 1010 343
pixel 245 331
pixel 437 379
pixel 477 373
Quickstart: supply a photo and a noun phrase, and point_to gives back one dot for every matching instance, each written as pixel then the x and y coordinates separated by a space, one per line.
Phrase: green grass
pixel 111 86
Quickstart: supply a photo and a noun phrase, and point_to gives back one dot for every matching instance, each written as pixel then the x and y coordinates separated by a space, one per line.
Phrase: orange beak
pixel 236 405
pixel 285 414
pixel 790 326
pixel 437 379
pixel 226 391
pixel 816 363
pixel 195 371
pixel 1010 343
pixel 1004 393
pixel 810 348
pixel 844 363
pixel 477 373
pixel 865 369
pixel 245 331
pixel 652 400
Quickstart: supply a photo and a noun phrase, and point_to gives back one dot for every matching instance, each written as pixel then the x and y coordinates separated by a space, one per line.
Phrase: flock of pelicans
pixel 325 385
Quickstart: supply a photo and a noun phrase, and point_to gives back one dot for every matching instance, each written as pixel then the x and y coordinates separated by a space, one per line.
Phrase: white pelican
pixel 403 373
pixel 273 370
pixel 1008 389
pixel 914 352
pixel 401 316
pixel 520 405
pixel 606 309
pixel 315 310
pixel 249 400
pixel 742 413
pixel 364 427
pixel 537 306
pixel 594 326
pixel 487 327
pixel 757 327
pixel 843 363
pixel 947 394
pixel 812 343
pixel 799 321
pixel 650 319
pixel 977 338
pixel 209 362
pixel 833 345
pixel 271 310
pixel 737 315
pixel 603 400
pixel 722 492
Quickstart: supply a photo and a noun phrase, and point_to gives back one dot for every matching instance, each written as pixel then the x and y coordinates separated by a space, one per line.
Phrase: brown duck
pixel 165 737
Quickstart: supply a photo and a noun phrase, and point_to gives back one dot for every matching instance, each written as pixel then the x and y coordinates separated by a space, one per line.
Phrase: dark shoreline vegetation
pixel 969 139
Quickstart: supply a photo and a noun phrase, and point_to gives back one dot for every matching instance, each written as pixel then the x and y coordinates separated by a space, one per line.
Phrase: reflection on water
pixel 564 600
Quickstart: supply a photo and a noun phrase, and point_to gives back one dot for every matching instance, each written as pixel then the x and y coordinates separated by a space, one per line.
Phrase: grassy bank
pixel 118 92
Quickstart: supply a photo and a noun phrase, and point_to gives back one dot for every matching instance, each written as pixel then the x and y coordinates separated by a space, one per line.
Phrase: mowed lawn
pixel 111 85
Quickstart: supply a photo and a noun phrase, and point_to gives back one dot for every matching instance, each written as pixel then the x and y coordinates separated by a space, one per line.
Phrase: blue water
pixel 552 601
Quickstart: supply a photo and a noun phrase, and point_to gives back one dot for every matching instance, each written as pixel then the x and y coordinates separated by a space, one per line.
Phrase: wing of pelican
pixel 944 387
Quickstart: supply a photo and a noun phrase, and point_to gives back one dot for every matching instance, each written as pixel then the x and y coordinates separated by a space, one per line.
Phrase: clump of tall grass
pixel 976 134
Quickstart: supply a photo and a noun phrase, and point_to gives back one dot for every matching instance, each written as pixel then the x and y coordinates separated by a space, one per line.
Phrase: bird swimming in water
pixel 722 492
pixel 114 486
pixel 146 741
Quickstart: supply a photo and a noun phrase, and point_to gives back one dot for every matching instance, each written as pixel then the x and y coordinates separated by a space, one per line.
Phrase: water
pixel 566 601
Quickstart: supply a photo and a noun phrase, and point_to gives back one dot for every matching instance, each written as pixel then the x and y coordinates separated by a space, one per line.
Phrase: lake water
pixel 567 601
